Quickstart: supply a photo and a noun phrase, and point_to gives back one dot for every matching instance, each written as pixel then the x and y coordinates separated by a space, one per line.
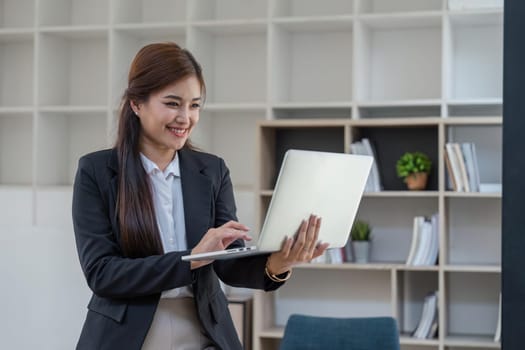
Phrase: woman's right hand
pixel 218 239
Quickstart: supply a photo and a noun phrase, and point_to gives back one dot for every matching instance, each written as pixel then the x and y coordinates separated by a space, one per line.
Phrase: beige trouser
pixel 175 327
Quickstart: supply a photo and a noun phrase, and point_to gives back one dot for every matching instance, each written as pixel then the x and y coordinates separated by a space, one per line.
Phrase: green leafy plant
pixel 413 162
pixel 361 231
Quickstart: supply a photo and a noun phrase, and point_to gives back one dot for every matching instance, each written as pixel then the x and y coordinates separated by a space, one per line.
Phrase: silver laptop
pixel 329 185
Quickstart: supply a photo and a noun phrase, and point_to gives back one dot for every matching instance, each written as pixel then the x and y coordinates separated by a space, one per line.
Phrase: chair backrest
pixel 367 333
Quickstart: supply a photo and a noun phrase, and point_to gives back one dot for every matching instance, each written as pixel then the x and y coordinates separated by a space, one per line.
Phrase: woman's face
pixel 168 117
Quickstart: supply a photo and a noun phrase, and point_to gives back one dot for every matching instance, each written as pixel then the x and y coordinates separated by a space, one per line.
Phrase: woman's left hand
pixel 303 248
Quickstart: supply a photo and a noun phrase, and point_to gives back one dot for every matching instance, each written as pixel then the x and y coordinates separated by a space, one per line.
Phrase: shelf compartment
pixel 222 133
pixel 388 6
pixel 460 342
pixel 238 57
pixel 16 149
pixel 473 239
pixel 401 109
pixel 73 12
pixel 73 69
pixel 297 77
pixel 463 306
pixel 275 141
pixel 482 107
pixel 312 111
pixel 370 297
pixel 399 58
pixel 392 231
pixel 390 143
pixel 17 13
pixel 311 8
pixel 62 139
pixel 16 203
pixel 149 11
pixel 413 287
pixel 488 141
pixel 221 10
pixel 16 71
pixel 476 65
pixel 129 39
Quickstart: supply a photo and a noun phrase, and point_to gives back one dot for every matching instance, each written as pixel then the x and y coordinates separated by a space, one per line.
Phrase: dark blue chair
pixel 326 333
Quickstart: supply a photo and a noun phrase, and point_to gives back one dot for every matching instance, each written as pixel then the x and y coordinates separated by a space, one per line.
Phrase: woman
pixel 139 207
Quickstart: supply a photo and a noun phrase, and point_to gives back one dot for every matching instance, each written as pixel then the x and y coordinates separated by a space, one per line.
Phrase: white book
pixel 432 331
pixel 423 248
pixel 427 316
pixel 335 256
pixel 418 221
pixel 358 148
pixel 473 178
pixel 475 165
pixel 424 314
pixel 454 164
pixel 434 246
pixel 462 167
pixel 376 181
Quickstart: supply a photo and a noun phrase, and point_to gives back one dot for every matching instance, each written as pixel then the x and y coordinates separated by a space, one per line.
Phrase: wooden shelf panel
pixel 484 342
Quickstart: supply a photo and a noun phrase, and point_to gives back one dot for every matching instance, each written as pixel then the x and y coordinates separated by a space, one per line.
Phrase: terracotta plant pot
pixel 416 181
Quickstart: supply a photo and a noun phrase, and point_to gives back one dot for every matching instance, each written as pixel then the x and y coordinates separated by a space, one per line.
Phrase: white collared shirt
pixel 169 211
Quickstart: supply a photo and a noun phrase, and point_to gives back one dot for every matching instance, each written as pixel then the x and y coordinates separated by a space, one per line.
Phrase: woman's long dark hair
pixel 154 67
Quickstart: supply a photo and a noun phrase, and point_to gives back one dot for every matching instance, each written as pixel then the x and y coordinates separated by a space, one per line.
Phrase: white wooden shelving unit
pixel 282 73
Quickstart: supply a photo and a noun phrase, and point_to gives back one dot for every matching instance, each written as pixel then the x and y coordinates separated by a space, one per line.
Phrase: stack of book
pixel 428 322
pixel 364 147
pixel 424 248
pixel 462 166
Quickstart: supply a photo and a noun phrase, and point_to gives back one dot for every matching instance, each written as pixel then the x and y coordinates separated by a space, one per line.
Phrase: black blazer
pixel 126 291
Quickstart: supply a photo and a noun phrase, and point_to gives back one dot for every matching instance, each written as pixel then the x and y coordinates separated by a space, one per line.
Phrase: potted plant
pixel 361 235
pixel 414 168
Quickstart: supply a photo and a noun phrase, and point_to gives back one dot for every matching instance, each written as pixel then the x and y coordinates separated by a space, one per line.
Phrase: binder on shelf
pixel 471 162
pixel 434 246
pixel 335 256
pixel 452 180
pixel 418 222
pixel 455 172
pixel 428 322
pixel 462 166
pixel 364 147
pixel 424 248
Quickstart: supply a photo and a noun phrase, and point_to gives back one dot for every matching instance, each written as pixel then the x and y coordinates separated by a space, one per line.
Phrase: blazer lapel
pixel 113 190
pixel 197 197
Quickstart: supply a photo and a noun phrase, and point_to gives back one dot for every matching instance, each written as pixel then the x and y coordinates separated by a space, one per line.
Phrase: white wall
pixel 44 295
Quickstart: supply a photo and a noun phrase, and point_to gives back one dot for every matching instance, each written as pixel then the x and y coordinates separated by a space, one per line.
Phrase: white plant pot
pixel 361 251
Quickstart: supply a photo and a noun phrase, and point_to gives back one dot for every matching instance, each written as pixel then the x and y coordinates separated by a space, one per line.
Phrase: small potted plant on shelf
pixel 361 236
pixel 414 168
